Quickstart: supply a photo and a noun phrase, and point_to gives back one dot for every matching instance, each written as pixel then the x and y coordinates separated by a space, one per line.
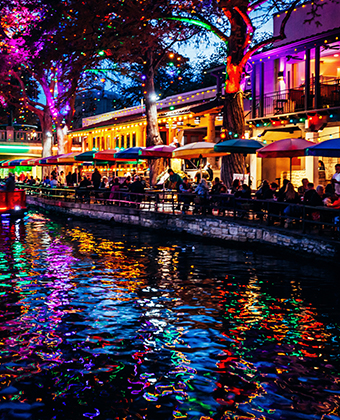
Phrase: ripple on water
pixel 117 323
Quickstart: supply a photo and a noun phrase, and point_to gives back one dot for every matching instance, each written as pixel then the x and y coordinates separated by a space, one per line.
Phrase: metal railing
pixel 296 217
pixel 21 136
pixel 293 100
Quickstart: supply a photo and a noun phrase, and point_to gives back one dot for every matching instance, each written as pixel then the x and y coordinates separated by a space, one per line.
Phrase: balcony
pixel 293 101
pixel 20 136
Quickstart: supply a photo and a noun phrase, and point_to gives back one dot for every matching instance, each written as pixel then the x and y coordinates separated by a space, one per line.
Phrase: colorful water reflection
pixel 116 323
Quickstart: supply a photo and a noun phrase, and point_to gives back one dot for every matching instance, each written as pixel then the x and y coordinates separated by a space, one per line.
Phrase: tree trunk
pixel 233 123
pixel 47 136
pixel 152 130
pixel 63 146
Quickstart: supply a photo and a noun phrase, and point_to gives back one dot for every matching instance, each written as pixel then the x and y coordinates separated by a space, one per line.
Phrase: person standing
pixel 69 182
pixel 75 177
pixel 10 183
pixel 61 179
pixel 336 179
pixel 96 177
pixel 210 172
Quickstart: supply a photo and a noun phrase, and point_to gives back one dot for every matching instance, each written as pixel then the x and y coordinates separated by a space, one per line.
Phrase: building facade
pixel 295 90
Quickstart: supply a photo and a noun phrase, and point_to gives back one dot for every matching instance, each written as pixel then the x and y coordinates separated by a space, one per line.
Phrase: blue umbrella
pixel 243 146
pixel 132 153
pixel 328 148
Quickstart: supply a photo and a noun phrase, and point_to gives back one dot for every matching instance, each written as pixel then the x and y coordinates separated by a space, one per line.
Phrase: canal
pixel 116 323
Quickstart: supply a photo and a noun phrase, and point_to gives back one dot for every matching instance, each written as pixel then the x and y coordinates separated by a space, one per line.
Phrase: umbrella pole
pixel 244 166
pixel 200 160
pixel 290 169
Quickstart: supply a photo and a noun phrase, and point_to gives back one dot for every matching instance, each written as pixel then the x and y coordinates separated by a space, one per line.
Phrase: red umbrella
pixel 286 148
pixel 105 155
pixel 158 151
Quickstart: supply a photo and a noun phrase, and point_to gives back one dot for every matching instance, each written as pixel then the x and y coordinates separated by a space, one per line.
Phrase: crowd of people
pixel 202 194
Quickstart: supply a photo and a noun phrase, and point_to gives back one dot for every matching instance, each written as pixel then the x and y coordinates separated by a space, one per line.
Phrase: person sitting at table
pixel 335 204
pixel 282 190
pixel 317 197
pixel 291 197
pixel 308 193
pixel 303 188
pixel 46 181
pixel 115 195
pixel 31 181
pixel 174 180
pixel 54 182
pixel 235 186
pixel 104 183
pixel 82 191
pixel 201 199
pixel 262 190
pixel 137 189
pixel 185 198
pixel 126 182
pixel 243 192
pixel 270 193
pixel 216 188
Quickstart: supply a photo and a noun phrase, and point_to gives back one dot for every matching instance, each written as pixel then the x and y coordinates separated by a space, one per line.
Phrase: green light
pixel 201 24
pixel 172 108
pixel 101 53
pixel 24 149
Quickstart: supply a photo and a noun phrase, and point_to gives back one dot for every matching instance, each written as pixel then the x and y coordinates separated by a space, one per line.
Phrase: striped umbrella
pixel 30 162
pixel 12 163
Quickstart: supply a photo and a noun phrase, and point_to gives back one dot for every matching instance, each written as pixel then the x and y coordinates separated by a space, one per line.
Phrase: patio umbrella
pixel 199 150
pixel 67 159
pixel 192 150
pixel 30 162
pixel 107 155
pixel 86 156
pixel 11 163
pixel 327 148
pixel 286 148
pixel 49 160
pixel 158 151
pixel 132 153
pixel 243 146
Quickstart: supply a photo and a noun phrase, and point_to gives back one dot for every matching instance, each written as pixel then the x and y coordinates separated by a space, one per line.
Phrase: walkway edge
pixel 204 226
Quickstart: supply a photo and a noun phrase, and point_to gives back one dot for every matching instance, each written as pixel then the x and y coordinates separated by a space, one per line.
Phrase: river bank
pixel 206 226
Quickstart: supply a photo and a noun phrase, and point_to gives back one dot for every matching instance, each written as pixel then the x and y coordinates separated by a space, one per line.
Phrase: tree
pixel 54 43
pixel 234 22
pixel 146 45
pixel 169 80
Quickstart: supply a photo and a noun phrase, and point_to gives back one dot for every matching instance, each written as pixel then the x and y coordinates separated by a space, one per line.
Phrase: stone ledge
pixel 205 226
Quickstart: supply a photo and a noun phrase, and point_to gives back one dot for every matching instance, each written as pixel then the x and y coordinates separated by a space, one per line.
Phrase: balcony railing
pixel 21 136
pixel 293 100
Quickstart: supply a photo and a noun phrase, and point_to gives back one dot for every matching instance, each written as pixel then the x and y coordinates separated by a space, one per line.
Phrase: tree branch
pixel 272 39
pixel 250 28
pixel 29 104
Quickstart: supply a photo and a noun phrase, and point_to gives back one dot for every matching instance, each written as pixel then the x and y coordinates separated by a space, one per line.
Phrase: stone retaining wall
pixel 204 226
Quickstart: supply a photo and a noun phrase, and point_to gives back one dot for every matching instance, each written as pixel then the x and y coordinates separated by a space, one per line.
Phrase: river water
pixel 106 322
